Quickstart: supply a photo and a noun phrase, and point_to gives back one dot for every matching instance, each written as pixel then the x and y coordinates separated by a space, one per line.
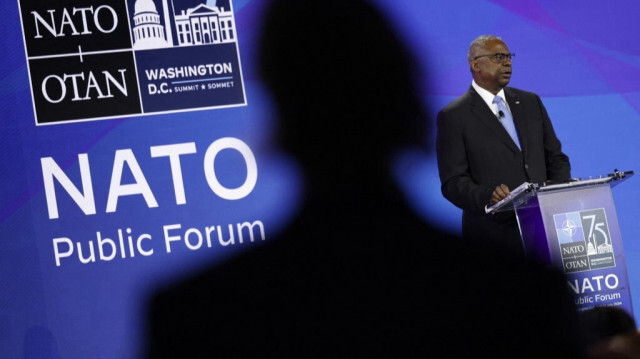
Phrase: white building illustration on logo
pixel 200 25
pixel 594 248
pixel 148 33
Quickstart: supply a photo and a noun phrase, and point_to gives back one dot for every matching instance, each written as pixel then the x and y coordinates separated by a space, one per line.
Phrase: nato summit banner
pixel 137 146
pixel 99 60
pixel 130 158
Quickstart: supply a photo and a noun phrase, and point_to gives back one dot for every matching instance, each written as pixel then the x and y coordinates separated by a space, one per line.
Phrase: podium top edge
pixel 612 179
pixel 526 190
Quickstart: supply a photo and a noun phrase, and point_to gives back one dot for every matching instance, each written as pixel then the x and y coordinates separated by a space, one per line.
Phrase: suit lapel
pixel 486 116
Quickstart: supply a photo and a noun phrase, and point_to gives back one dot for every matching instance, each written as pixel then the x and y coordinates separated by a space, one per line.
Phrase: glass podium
pixel 573 226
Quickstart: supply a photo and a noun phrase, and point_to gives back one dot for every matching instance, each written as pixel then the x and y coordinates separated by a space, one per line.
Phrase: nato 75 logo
pixel 585 240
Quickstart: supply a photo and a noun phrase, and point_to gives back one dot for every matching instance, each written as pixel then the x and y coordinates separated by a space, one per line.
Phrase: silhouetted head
pixel 601 323
pixel 342 81
pixel 622 346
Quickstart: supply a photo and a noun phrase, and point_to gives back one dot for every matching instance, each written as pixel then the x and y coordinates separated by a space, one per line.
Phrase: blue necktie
pixel 506 120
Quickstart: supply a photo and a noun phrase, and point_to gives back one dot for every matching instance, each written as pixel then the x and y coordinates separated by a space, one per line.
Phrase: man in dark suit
pixel 486 148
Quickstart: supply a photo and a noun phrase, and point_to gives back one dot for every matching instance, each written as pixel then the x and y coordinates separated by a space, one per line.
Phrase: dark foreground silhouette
pixel 357 273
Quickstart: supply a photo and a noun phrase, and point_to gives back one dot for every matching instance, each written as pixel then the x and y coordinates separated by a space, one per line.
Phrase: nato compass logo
pixel 585 240
pixel 96 59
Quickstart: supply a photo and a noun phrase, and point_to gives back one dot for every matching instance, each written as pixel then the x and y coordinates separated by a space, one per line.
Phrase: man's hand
pixel 499 194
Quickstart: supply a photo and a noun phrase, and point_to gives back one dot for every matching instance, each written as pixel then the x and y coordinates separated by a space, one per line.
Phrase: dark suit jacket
pixel 476 154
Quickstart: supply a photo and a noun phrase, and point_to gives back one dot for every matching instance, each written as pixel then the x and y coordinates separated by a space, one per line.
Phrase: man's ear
pixel 473 65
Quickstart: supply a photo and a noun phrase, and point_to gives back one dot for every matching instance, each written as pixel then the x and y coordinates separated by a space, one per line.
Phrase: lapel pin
pixel 517 102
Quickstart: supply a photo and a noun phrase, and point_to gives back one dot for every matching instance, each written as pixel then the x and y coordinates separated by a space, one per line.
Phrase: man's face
pixel 488 73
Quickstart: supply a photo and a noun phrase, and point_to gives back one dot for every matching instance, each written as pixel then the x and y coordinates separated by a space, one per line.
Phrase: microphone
pixel 500 114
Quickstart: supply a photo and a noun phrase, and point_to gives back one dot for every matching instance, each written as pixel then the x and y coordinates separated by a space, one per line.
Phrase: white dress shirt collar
pixel 488 97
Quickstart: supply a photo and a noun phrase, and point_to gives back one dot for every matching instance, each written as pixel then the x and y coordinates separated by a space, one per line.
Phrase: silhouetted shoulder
pixel 407 289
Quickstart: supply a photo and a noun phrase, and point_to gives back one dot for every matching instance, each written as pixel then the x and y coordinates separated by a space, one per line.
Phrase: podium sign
pixel 573 226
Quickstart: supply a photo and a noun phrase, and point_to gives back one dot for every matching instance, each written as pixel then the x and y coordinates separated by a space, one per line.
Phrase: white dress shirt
pixel 488 98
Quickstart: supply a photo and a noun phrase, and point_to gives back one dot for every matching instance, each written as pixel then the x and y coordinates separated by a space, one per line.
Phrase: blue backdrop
pixel 581 57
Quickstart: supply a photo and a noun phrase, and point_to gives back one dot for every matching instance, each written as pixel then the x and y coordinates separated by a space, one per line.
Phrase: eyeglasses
pixel 498 57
